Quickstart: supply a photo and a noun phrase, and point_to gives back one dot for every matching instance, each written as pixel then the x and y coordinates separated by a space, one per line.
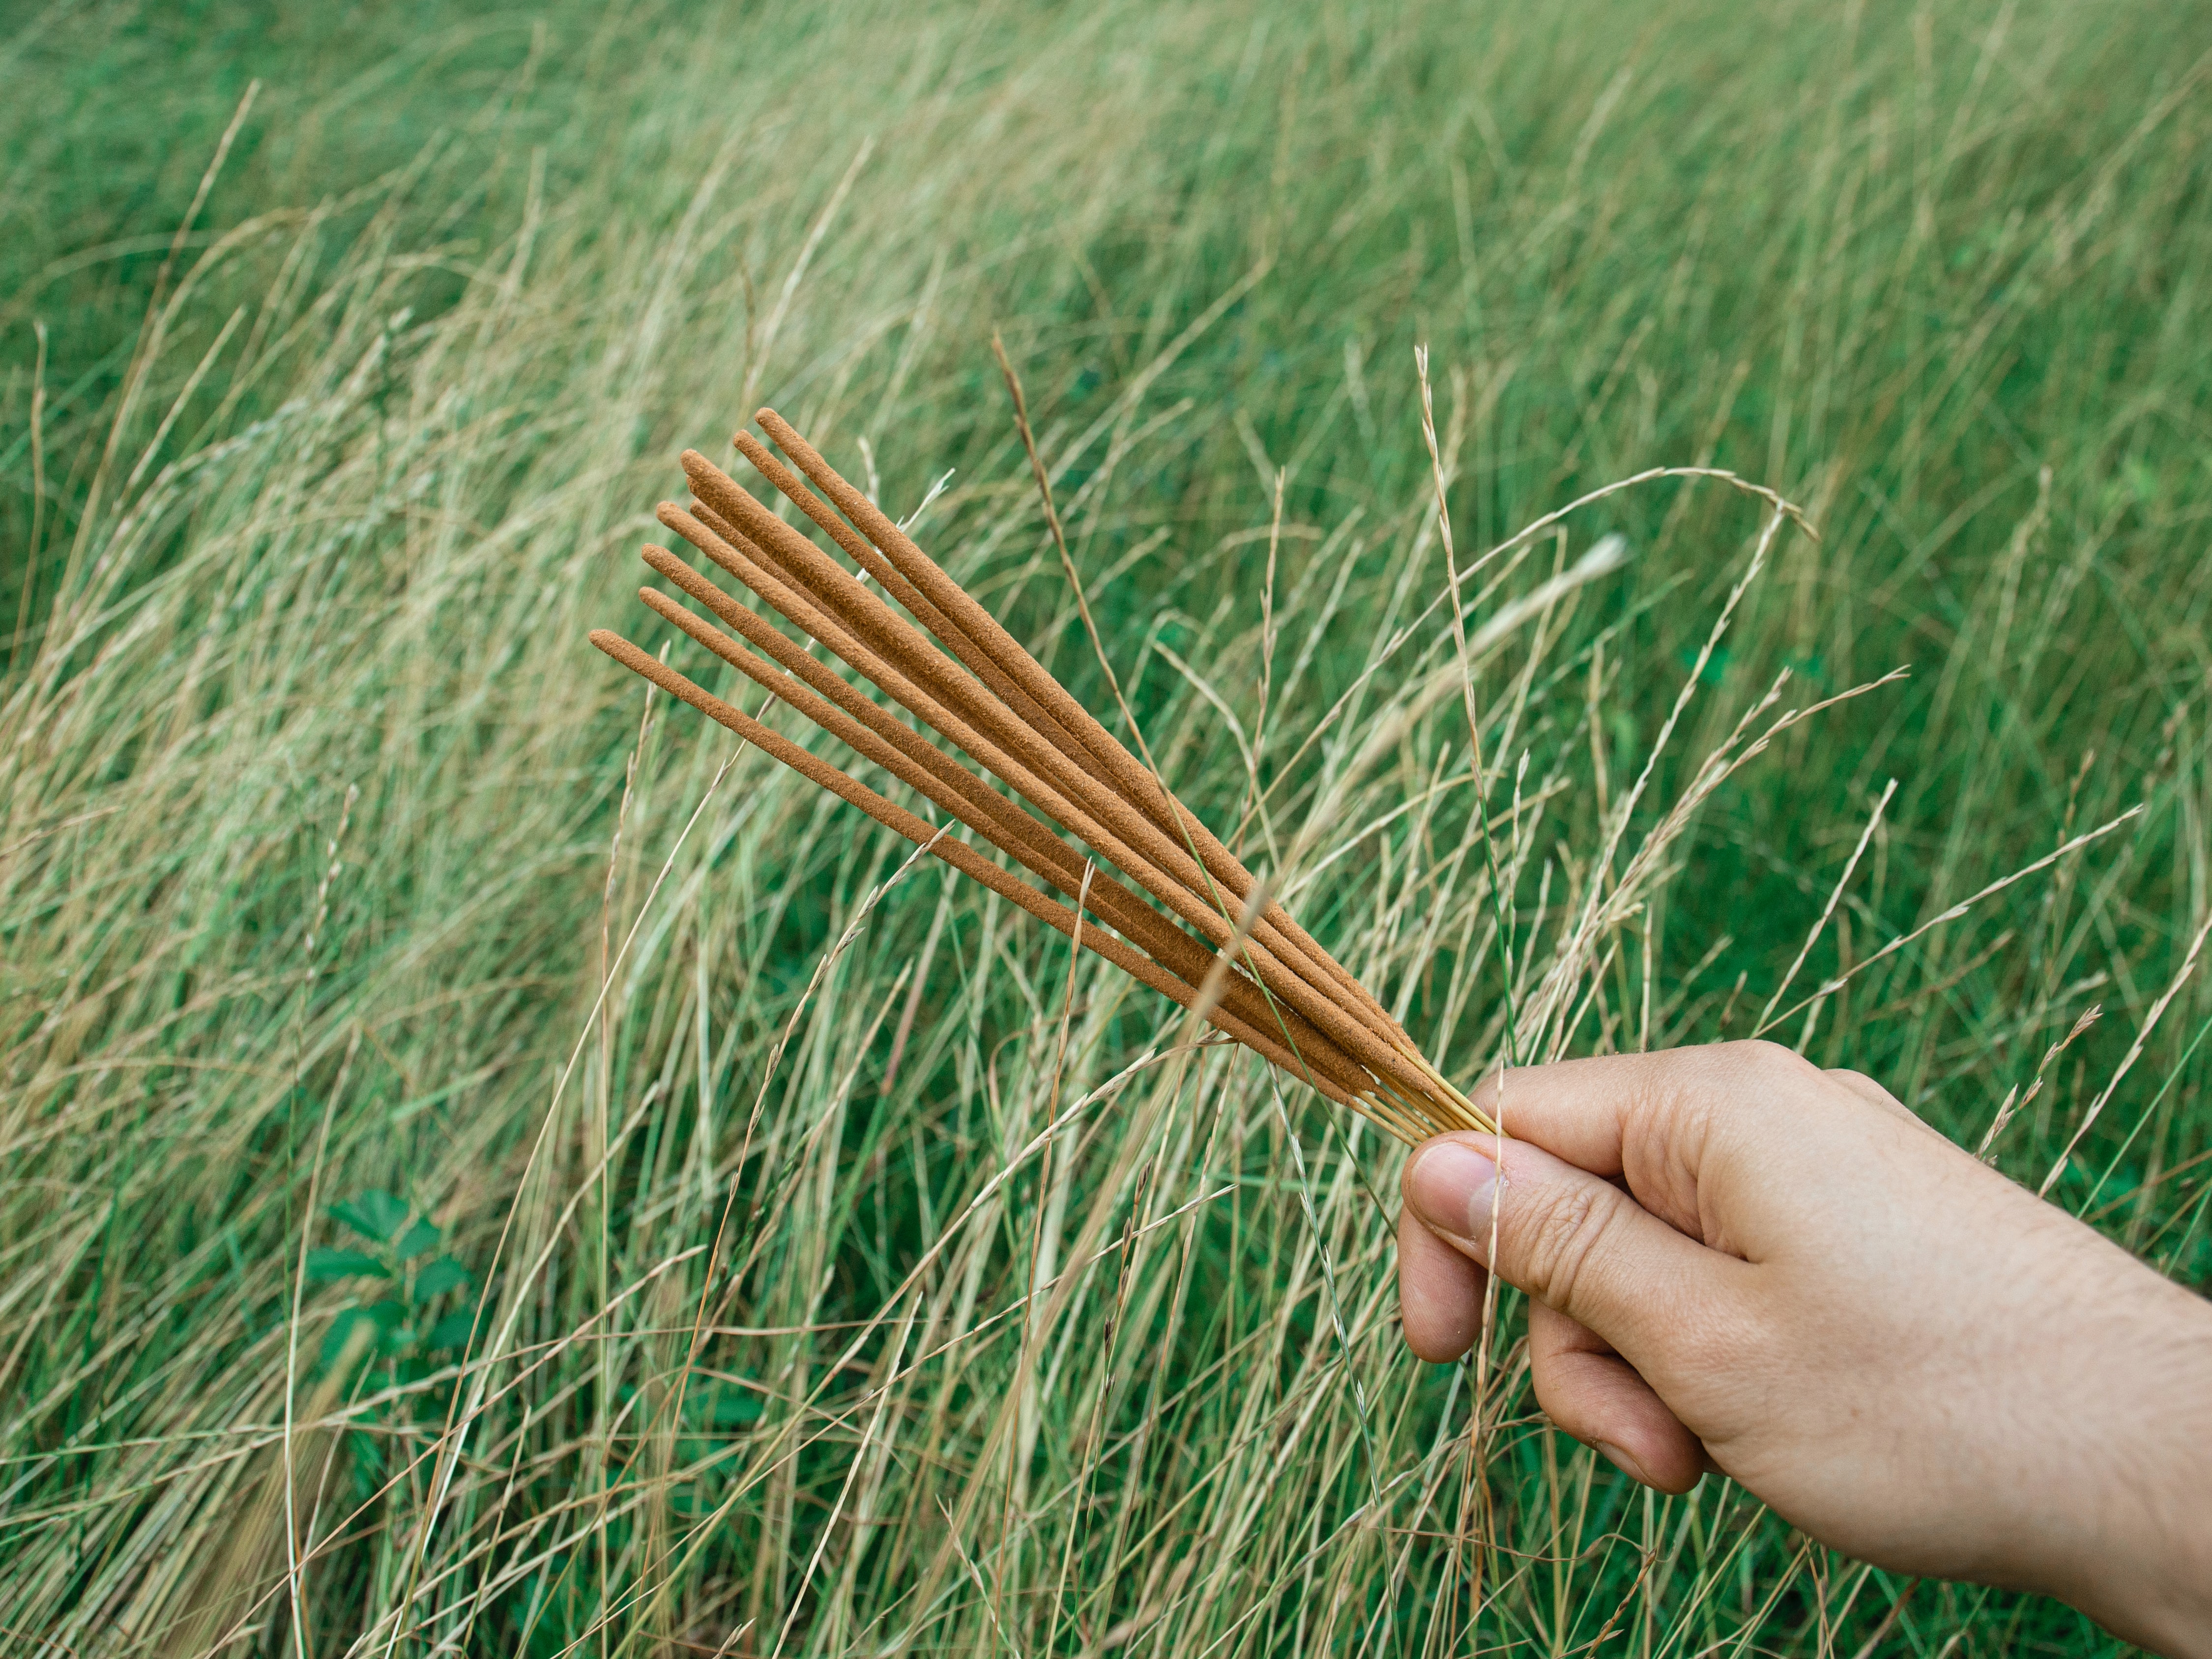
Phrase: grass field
pixel 379 967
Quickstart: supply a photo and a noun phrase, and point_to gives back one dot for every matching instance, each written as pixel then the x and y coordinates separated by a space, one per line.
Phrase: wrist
pixel 2157 1593
pixel 2149 1577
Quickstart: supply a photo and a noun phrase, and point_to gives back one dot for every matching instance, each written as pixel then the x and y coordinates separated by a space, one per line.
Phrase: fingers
pixel 1585 1388
pixel 1439 1293
pixel 1645 1117
pixel 1573 1241
pixel 1586 1110
pixel 1714 1140
pixel 1595 1395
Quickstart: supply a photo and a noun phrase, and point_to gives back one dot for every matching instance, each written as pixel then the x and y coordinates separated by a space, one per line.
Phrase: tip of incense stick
pixel 780 430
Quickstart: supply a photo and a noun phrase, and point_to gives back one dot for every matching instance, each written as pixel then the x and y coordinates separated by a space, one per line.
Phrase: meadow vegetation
pixel 491 1166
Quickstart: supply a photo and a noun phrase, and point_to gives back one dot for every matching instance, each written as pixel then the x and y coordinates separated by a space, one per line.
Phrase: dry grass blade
pixel 1245 966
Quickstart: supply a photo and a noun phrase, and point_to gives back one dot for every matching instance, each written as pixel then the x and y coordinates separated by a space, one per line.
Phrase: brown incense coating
pixel 1295 1018
pixel 1009 749
pixel 795 661
pixel 958 855
pixel 1300 1009
pixel 1175 950
pixel 1019 755
pixel 1133 780
pixel 1405 1074
pixel 1291 946
pixel 875 735
pixel 985 810
pixel 801 562
pixel 1295 950
pixel 858 550
pixel 1174 878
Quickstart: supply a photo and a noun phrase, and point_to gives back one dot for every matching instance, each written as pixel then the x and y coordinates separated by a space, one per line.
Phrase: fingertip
pixel 1439 1294
pixel 1669 1472
pixel 1591 1393
pixel 1449 1184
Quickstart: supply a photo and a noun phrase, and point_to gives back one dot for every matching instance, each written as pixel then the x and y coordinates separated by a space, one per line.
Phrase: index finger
pixel 1656 1120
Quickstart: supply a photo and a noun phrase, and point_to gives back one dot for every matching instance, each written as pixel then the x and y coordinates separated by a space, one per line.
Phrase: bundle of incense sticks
pixel 1250 970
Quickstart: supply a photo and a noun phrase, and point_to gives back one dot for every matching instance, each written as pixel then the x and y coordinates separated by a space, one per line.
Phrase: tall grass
pixel 838 1268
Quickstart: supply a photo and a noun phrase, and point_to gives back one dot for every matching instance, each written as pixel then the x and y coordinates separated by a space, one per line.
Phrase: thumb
pixel 1575 1243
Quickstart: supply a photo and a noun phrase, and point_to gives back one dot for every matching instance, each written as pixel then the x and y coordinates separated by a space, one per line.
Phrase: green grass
pixel 335 864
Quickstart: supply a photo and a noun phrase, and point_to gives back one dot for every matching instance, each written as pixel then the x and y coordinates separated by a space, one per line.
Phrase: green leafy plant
pixel 406 1327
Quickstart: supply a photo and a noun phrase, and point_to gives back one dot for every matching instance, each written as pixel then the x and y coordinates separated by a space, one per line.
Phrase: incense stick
pixel 1027 759
pixel 1247 967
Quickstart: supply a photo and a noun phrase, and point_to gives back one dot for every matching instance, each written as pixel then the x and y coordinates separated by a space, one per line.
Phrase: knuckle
pixel 1730 1337
pixel 1768 1059
pixel 1568 1237
pixel 1761 1069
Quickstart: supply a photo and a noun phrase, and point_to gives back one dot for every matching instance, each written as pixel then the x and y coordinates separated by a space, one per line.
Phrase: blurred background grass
pixel 341 358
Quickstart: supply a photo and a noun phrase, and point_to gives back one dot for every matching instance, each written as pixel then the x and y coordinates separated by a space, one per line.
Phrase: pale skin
pixel 1738 1262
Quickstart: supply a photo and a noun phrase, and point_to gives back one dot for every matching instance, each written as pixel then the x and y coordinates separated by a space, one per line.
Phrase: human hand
pixel 1900 1351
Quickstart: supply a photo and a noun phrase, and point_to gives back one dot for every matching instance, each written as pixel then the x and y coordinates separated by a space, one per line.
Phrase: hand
pixel 1901 1352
